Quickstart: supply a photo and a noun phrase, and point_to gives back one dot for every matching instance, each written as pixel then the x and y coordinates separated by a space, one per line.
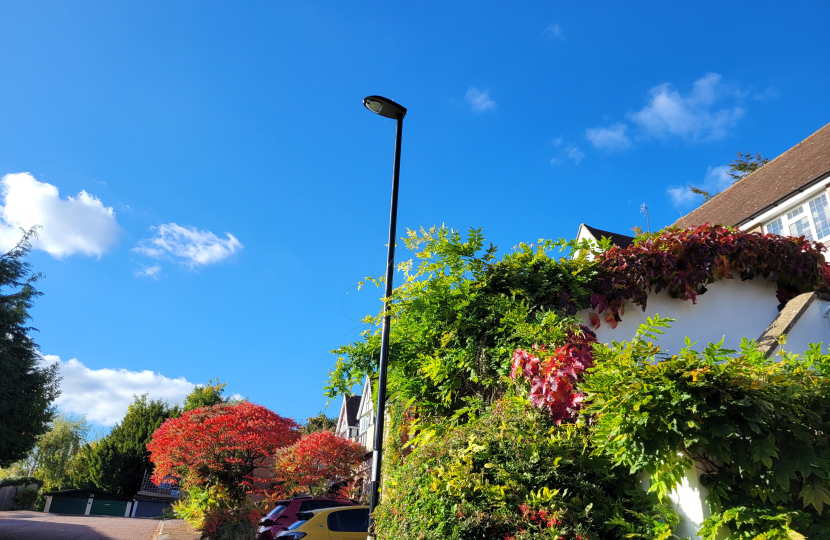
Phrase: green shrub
pixel 514 474
pixel 236 530
pixel 25 498
pixel 757 428
pixel 22 481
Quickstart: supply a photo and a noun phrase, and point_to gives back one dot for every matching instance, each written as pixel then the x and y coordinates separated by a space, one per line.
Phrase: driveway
pixel 22 525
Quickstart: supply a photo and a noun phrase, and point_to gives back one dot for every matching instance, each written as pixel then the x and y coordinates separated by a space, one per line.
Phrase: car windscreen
pixel 296 525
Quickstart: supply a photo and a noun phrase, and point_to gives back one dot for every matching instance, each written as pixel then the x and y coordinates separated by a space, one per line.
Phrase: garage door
pixel 67 505
pixel 101 507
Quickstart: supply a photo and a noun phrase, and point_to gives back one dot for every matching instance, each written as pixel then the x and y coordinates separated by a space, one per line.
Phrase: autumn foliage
pixel 220 445
pixel 553 375
pixel 314 463
pixel 684 262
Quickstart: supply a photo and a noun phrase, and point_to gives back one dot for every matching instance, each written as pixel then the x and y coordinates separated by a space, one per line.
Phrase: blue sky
pixel 228 188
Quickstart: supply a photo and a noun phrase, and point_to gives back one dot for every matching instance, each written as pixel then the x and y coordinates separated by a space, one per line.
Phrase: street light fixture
pixel 389 109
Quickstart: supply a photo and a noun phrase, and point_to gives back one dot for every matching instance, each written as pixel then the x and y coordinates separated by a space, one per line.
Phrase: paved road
pixel 21 525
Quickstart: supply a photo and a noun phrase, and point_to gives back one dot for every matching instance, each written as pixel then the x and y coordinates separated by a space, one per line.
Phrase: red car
pixel 285 513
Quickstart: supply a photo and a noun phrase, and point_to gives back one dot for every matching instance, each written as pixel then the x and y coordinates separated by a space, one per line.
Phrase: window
pixel 814 225
pixel 349 520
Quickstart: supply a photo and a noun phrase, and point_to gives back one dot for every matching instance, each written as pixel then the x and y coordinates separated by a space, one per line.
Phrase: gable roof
pixel 620 240
pixel 804 164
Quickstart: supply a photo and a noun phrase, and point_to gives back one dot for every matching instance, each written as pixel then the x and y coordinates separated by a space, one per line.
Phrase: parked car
pixel 285 512
pixel 342 523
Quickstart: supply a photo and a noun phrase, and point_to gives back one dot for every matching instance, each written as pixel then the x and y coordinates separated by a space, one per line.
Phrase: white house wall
pixel 812 327
pixel 731 308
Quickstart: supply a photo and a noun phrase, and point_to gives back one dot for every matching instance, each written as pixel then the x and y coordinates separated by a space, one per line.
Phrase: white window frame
pixel 804 206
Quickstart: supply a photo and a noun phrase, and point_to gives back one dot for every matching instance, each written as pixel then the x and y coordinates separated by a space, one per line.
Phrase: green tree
pixel 318 422
pixel 27 388
pixel 51 457
pixel 206 396
pixel 742 166
pixel 117 462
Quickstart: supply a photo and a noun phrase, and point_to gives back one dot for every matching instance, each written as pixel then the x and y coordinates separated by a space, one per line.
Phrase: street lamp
pixel 389 109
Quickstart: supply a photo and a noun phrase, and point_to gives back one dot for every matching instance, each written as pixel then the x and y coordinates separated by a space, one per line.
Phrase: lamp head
pixel 384 107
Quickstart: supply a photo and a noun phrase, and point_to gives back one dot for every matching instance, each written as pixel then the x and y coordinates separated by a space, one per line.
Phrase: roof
pixel 352 408
pixel 620 240
pixel 802 165
pixel 88 493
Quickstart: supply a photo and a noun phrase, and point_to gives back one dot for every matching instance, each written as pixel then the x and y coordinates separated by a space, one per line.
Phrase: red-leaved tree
pixel 315 463
pixel 220 445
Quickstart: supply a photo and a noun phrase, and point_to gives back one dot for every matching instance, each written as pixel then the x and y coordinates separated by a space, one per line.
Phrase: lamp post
pixel 389 109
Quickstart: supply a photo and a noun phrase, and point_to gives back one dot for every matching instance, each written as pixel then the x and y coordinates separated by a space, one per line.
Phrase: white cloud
pixel 103 395
pixel 553 31
pixel 691 116
pixel 480 101
pixel 149 271
pixel 80 224
pixel 716 180
pixel 575 154
pixel 188 245
pixel 609 138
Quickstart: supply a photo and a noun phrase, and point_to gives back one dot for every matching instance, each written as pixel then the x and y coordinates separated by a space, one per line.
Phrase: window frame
pixel 800 211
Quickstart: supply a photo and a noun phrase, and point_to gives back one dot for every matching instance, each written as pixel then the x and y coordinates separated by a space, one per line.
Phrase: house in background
pixel 787 196
pixel 357 418
pixel 347 420
pixel 594 235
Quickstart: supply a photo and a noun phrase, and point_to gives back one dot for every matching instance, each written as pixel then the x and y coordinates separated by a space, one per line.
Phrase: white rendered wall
pixel 730 307
pixel 811 327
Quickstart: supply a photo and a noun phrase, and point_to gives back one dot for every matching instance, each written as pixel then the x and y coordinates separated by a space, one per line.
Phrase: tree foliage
pixel 318 422
pixel 51 458
pixel 220 446
pixel 738 169
pixel 118 461
pixel 208 395
pixel 27 388
pixel 461 313
pixel 315 463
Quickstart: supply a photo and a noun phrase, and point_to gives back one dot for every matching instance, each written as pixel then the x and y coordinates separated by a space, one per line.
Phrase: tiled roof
pixel 620 240
pixel 352 406
pixel 803 164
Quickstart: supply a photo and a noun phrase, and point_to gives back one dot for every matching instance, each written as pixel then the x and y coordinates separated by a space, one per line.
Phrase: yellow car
pixel 339 523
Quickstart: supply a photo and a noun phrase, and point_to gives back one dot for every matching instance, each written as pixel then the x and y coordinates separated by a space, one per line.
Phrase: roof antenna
pixel 644 208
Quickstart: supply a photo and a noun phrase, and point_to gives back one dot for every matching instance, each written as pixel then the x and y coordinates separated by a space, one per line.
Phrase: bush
pixel 514 474
pixel 236 530
pixel 212 512
pixel 756 428
pixel 25 498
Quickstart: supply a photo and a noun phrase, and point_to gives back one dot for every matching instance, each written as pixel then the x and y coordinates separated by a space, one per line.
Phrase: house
pixel 595 235
pixel 357 417
pixel 366 417
pixel 347 425
pixel 787 196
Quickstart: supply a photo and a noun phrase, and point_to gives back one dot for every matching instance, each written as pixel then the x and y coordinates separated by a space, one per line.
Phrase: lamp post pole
pixel 389 109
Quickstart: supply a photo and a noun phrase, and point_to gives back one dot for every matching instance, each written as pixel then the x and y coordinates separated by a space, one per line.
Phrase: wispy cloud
pixel 480 101
pixel 149 271
pixel 575 154
pixel 103 395
pixel 188 245
pixel 716 180
pixel 553 31
pixel 80 224
pixel 609 138
pixel 692 116
pixel 767 95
